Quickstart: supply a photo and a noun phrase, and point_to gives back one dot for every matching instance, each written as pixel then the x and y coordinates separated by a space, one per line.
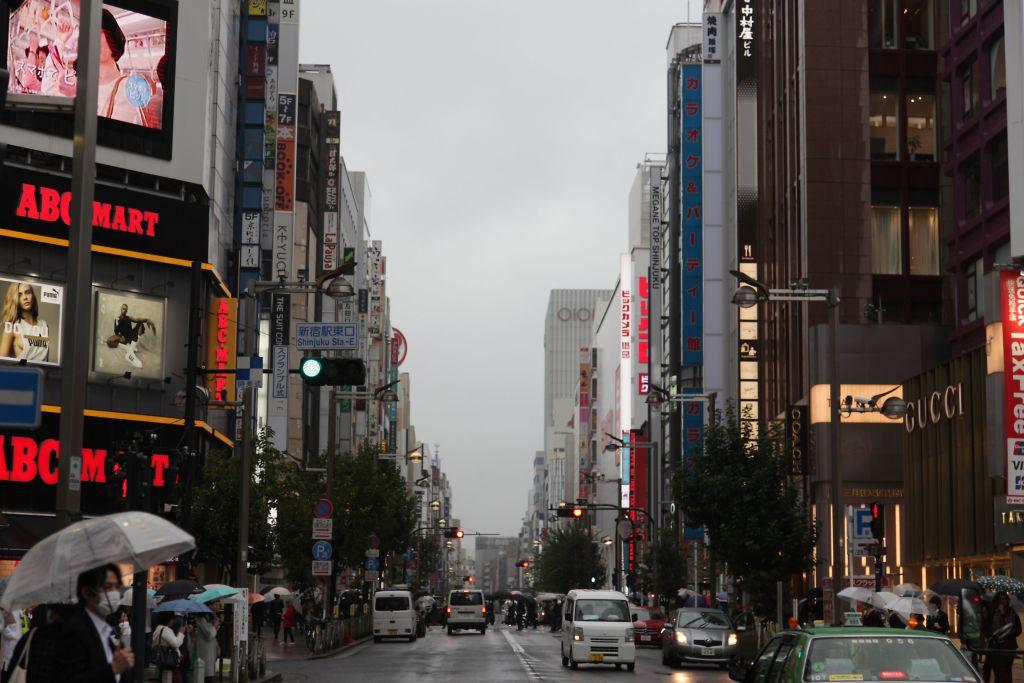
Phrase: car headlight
pixel 577 633
pixel 680 637
pixel 630 633
pixel 732 639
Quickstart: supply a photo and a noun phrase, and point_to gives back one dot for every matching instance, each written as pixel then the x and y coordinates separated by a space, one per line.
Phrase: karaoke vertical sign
pixel 1011 295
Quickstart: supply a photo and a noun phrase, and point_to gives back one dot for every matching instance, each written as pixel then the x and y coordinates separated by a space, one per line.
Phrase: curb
pixel 270 678
pixel 341 649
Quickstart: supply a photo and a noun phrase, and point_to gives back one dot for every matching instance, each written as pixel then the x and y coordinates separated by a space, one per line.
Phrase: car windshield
pixel 602 610
pixel 463 599
pixel 709 619
pixel 643 614
pixel 886 658
pixel 391 603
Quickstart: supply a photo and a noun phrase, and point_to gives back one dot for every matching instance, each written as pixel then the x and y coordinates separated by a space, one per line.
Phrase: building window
pixel 971 174
pixel 921 126
pixel 886 241
pixel 968 8
pixel 997 68
pixel 999 167
pixel 885 131
pixel 924 240
pixel 882 17
pixel 917 25
pixel 969 89
pixel 975 307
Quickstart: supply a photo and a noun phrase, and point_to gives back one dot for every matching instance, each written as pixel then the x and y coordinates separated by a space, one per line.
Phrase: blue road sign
pixel 373 564
pixel 323 508
pixel 21 397
pixel 322 551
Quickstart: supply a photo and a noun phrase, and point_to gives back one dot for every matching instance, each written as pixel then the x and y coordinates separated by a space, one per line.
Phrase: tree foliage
pixel 570 559
pixel 741 489
pixel 428 560
pixel 664 569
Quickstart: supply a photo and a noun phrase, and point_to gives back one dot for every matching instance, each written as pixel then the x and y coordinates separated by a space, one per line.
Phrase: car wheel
pixel 631 667
pixel 412 639
pixel 565 660
pixel 618 667
pixel 376 639
pixel 450 630
pixel 723 666
pixel 573 664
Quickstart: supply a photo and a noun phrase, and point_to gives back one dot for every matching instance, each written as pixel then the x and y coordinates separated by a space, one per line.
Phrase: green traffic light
pixel 311 368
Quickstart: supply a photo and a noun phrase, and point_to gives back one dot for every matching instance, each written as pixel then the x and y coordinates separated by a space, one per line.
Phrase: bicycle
pixel 313 633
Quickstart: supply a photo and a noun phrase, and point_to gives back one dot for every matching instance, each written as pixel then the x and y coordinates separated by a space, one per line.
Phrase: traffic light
pixel 332 372
pixel 878 521
pixel 572 512
pixel 525 564
pixel 454 532
pixel 469 579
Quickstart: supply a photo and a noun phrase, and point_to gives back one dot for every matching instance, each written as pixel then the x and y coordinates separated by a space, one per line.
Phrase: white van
pixel 466 611
pixel 597 629
pixel 393 615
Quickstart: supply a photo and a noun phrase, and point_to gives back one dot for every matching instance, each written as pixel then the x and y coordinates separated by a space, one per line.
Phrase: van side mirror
pixel 634 617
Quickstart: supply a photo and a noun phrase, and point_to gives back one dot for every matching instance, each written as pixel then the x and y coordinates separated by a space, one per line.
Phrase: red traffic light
pixel 523 563
pixel 577 512
pixel 459 533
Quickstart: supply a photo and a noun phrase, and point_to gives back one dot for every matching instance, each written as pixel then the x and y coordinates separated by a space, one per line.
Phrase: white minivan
pixel 466 611
pixel 393 615
pixel 597 629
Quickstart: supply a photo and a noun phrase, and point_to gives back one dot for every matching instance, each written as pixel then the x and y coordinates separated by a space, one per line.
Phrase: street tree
pixel 742 489
pixel 570 559
pixel 664 569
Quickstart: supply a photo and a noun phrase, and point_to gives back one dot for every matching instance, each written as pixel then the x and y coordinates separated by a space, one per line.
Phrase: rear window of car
pixel 466 599
pixel 391 603
pixel 885 658
pixel 709 619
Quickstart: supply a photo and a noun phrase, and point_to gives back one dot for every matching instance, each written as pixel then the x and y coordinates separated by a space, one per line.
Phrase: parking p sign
pixel 861 539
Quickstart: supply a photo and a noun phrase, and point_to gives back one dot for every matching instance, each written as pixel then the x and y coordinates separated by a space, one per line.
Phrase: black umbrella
pixel 183 587
pixel 953 586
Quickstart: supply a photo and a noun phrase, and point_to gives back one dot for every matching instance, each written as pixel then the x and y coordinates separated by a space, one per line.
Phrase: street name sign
pixel 21 397
pixel 326 337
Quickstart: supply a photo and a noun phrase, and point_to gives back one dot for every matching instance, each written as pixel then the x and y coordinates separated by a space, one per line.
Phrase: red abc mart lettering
pixel 24 460
pixel 49 205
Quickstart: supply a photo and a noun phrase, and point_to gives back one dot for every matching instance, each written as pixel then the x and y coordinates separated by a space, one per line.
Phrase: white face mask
pixel 109 602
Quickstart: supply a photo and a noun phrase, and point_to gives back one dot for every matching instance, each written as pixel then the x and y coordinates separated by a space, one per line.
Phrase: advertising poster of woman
pixel 31 322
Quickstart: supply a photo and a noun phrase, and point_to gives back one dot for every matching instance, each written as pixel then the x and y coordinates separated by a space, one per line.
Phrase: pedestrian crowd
pixel 90 642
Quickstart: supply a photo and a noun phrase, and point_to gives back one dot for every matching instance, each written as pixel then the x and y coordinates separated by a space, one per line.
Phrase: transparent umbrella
pixel 49 571
pixel 909 605
pixel 857 594
pixel 883 599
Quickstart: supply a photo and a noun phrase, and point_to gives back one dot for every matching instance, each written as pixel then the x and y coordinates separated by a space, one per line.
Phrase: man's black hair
pixel 113 35
pixel 94 579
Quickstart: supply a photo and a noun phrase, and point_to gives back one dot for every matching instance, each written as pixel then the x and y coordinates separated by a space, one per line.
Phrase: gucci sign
pixel 928 410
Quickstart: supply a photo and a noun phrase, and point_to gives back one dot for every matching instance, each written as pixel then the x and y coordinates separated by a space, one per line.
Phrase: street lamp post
pixel 752 292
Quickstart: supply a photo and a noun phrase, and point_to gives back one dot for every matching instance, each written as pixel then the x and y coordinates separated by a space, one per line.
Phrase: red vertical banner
pixel 1011 294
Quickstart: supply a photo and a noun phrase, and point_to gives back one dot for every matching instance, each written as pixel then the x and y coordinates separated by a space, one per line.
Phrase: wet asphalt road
pixel 500 655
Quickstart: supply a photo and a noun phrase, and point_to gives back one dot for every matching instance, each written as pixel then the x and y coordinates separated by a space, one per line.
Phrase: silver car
pixel 699 635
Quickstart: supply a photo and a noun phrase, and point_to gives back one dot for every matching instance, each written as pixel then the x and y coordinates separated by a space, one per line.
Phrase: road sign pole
pixel 75 363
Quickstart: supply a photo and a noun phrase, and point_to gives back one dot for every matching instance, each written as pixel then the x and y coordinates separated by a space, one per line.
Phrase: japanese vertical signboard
pixel 1011 294
pixel 624 390
pixel 332 173
pixel 692 218
pixel 711 45
pixel 693 439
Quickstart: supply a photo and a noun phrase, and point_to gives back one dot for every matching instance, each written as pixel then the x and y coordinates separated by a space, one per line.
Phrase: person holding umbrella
pixel 170 640
pixel 938 620
pixel 89 650
pixel 1002 626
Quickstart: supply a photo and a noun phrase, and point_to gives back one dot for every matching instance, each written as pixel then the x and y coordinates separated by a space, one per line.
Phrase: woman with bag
pixel 1003 628
pixel 167 648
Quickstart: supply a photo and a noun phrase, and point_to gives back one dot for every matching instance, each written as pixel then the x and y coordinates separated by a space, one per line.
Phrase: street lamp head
pixel 415 455
pixel 340 288
pixel 607 540
pixel 746 297
pixel 654 399
pixel 610 447
pixel 388 397
pixel 894 408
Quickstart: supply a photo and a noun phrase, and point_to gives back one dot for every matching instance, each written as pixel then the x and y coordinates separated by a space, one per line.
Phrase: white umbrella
pixel 49 571
pixel 908 590
pixel 126 599
pixel 883 599
pixel 906 606
pixel 277 591
pixel 857 594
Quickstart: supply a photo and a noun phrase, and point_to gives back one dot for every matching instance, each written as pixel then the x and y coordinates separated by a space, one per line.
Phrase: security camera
pixel 864 401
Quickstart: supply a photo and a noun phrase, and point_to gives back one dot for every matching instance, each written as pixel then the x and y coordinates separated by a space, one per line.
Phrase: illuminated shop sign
pixel 24 459
pixel 1011 294
pixel 222 337
pixel 40 204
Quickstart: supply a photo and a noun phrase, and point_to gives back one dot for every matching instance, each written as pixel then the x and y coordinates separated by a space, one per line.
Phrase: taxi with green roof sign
pixel 856 655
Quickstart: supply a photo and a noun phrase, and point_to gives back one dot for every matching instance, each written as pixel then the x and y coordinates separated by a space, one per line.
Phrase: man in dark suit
pixel 90 651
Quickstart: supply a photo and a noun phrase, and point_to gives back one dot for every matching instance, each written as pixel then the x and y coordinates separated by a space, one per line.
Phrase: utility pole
pixel 251 338
pixel 332 419
pixel 191 378
pixel 838 512
pixel 139 472
pixel 79 285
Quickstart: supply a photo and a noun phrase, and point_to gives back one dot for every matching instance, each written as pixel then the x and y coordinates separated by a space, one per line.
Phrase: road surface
pixel 500 655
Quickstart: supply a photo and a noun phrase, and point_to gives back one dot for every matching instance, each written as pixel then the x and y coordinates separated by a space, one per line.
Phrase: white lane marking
pixel 521 655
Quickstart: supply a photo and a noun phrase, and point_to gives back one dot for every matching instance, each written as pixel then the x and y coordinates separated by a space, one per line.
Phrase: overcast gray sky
pixel 500 138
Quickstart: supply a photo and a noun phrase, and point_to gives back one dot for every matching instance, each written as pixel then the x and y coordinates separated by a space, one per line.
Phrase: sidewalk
pixel 277 651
